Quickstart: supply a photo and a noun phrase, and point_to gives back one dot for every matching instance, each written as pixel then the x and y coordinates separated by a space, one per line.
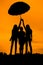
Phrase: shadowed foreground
pixel 27 59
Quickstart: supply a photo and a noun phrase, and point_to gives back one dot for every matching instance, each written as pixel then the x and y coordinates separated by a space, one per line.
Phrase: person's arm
pixel 19 24
pixel 10 38
pixel 31 34
pixel 24 25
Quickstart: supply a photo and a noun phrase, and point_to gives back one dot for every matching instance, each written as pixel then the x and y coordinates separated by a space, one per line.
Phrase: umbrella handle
pixel 20 17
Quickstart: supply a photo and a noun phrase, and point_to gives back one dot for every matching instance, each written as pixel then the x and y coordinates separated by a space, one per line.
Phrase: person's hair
pixel 15 26
pixel 27 26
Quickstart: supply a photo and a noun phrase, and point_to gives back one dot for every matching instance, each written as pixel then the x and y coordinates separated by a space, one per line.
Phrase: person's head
pixel 21 28
pixel 27 26
pixel 15 26
pixel 22 20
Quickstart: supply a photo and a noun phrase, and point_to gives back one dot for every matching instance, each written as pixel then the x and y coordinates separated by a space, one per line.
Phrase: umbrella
pixel 18 8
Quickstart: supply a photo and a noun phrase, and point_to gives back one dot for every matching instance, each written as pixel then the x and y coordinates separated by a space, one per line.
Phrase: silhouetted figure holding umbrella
pixel 28 36
pixel 18 8
pixel 21 38
pixel 14 37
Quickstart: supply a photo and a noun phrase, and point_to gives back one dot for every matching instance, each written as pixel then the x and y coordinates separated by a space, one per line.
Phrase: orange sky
pixel 34 18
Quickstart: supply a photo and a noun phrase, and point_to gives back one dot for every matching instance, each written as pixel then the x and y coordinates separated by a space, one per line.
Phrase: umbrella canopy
pixel 18 8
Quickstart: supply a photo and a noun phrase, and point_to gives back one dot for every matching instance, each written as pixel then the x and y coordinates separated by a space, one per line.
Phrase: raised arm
pixel 24 25
pixel 19 24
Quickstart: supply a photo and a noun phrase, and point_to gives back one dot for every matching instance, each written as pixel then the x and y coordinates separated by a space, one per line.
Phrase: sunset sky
pixel 34 17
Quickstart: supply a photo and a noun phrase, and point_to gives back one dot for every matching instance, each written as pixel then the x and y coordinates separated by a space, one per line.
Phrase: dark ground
pixel 27 59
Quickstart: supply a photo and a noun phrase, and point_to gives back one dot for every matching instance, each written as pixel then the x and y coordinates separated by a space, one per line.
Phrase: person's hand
pixel 22 21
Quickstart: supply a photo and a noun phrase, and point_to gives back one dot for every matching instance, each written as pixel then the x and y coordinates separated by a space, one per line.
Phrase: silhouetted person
pixel 21 37
pixel 28 36
pixel 14 37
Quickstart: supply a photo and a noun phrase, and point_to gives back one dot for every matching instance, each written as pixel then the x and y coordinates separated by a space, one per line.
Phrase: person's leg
pixel 20 49
pixel 15 46
pixel 30 47
pixel 26 47
pixel 20 46
pixel 11 48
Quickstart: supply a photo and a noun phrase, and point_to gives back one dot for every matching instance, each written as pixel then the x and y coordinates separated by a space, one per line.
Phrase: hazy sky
pixel 34 18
